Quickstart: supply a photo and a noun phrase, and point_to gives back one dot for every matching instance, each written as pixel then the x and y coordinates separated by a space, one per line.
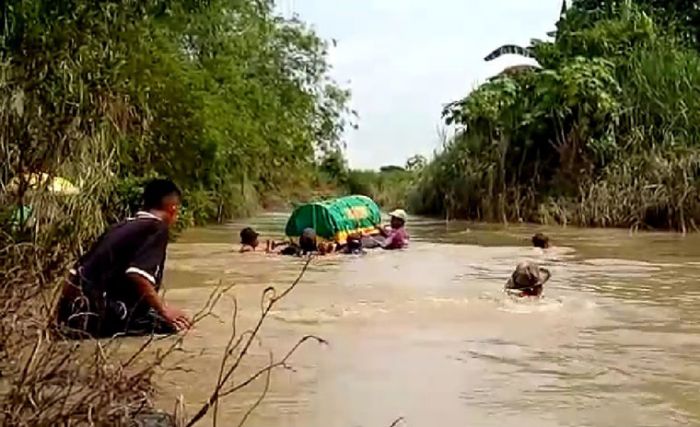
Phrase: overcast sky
pixel 404 59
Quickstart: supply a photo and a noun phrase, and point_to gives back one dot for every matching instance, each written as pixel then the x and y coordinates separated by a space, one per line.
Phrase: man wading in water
pixel 113 288
pixel 393 237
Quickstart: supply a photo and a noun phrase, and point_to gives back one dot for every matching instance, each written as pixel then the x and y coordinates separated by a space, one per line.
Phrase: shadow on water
pixel 427 334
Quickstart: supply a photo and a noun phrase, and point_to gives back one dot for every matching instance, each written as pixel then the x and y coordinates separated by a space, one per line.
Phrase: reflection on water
pixel 427 334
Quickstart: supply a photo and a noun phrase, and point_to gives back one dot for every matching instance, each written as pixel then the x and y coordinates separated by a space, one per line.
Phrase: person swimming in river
pixel 308 245
pixel 353 245
pixel 527 280
pixel 540 240
pixel 249 240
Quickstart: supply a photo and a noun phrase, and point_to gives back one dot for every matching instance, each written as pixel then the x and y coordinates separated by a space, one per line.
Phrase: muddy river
pixel 426 334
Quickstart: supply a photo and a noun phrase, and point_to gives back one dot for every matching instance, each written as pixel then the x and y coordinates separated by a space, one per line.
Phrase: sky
pixel 403 60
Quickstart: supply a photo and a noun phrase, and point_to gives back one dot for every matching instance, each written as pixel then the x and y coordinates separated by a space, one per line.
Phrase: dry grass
pixel 46 380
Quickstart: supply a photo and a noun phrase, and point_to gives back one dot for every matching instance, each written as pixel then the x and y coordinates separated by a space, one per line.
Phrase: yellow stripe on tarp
pixel 342 236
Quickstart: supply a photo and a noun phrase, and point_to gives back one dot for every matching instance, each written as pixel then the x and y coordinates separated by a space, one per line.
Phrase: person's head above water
pixel 162 198
pixel 307 240
pixel 540 240
pixel 249 237
pixel 398 218
pixel 528 278
pixel 354 243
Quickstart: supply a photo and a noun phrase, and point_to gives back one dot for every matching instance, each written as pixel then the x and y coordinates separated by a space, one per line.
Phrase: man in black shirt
pixel 113 288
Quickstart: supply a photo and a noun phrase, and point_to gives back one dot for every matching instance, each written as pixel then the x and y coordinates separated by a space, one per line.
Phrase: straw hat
pixel 400 214
pixel 528 275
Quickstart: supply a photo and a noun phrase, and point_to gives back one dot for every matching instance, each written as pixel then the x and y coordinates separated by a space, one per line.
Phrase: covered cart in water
pixel 335 219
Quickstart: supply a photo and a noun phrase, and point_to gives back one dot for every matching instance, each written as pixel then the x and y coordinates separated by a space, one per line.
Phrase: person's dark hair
pixel 540 240
pixel 354 243
pixel 307 241
pixel 248 236
pixel 156 191
pixel 292 250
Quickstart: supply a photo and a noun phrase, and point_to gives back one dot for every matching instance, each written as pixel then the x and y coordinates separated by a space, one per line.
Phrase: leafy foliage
pixel 615 92
pixel 221 95
pixel 681 17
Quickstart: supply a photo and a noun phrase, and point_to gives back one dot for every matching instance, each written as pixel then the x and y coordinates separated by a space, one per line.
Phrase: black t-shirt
pixel 135 246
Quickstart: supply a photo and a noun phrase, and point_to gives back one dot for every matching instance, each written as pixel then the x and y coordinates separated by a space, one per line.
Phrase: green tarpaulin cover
pixel 335 219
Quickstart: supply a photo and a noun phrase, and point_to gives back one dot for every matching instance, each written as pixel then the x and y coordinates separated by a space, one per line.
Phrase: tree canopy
pixel 596 135
pixel 217 94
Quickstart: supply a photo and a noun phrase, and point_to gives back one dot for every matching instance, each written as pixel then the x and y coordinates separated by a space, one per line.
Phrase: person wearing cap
pixel 249 240
pixel 395 236
pixel 527 280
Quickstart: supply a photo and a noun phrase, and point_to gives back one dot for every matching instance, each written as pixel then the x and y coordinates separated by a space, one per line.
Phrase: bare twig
pixel 228 349
pixel 260 398
pixel 269 295
pixel 272 366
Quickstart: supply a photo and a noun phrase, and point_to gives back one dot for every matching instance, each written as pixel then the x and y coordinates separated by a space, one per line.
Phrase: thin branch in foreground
pixel 229 347
pixel 260 398
pixel 246 339
pixel 272 366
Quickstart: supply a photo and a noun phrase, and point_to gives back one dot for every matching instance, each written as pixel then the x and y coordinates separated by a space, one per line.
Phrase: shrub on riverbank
pixel 226 98
pixel 604 134
pixel 389 186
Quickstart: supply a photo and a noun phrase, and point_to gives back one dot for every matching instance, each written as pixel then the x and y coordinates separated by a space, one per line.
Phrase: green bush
pixel 604 134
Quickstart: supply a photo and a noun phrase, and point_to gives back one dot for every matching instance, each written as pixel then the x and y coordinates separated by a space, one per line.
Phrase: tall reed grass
pixel 640 172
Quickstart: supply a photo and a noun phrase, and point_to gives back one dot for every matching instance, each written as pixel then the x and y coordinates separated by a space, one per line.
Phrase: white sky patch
pixel 405 59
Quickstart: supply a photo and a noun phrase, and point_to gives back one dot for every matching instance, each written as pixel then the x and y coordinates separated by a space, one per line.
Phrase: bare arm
pixel 388 242
pixel 148 293
pixel 143 273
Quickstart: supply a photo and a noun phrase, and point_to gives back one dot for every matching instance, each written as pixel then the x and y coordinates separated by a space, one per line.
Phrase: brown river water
pixel 426 334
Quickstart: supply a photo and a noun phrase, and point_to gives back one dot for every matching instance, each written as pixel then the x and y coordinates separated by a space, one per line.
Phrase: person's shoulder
pixel 147 224
pixel 145 227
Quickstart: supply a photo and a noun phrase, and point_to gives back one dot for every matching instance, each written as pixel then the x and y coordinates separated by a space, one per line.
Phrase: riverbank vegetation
pixel 225 97
pixel 228 99
pixel 236 105
pixel 390 186
pixel 603 133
